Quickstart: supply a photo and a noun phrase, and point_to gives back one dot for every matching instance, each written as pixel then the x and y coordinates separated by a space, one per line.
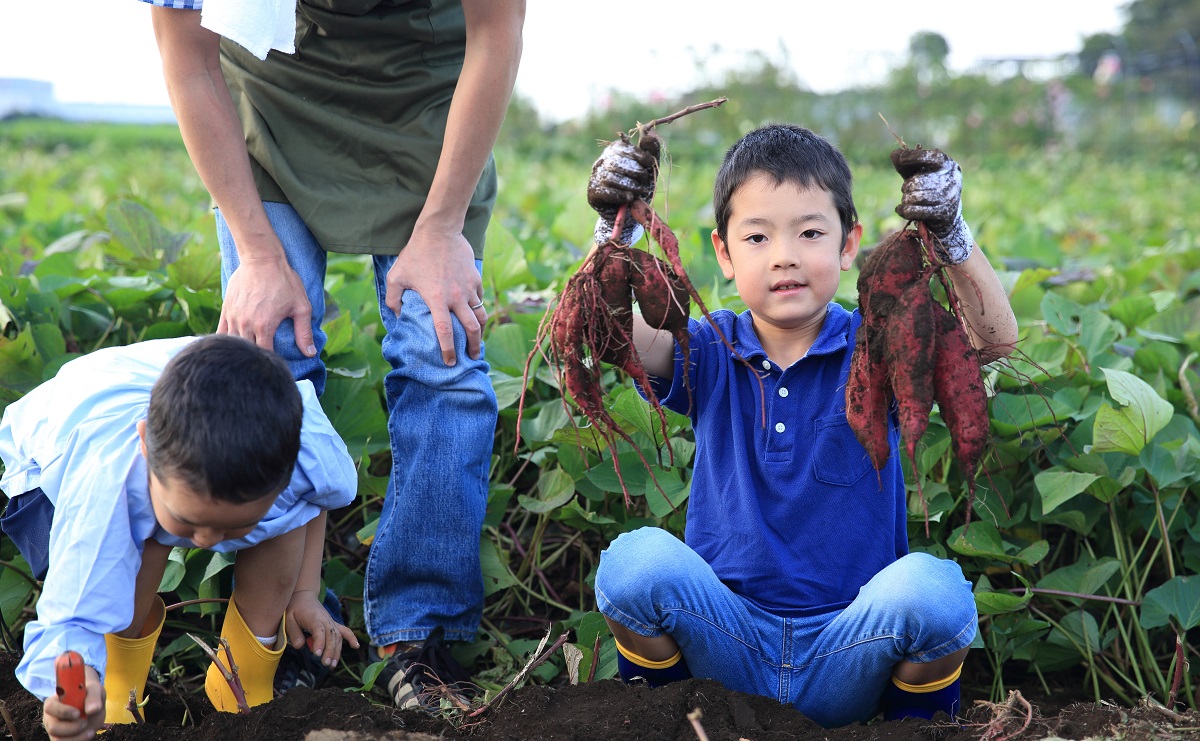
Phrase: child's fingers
pixel 317 642
pixel 294 631
pixel 63 722
pixel 93 704
pixel 348 636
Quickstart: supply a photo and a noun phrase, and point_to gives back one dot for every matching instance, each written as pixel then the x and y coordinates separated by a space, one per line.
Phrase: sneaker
pixel 299 667
pixel 418 676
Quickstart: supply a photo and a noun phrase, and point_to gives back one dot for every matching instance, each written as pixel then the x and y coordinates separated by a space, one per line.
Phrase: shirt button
pixel 766 365
pixel 783 392
pixel 780 427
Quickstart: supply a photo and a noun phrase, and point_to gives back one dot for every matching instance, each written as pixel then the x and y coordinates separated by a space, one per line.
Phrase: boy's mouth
pixel 786 285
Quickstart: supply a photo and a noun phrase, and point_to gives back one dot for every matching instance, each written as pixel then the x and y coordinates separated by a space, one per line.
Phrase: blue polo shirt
pixel 790 515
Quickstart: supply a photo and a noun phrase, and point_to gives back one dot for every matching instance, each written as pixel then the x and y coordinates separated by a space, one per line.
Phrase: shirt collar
pixel 834 335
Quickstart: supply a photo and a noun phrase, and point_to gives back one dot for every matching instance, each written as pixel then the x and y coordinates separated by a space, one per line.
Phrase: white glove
pixel 623 174
pixel 932 193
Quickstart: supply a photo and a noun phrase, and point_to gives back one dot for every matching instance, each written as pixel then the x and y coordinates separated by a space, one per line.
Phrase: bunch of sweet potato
pixel 914 350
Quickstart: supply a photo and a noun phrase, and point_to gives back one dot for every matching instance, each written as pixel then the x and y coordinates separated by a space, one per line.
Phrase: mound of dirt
pixel 597 711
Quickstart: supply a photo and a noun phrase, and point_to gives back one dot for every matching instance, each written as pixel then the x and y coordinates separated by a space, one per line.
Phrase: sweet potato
pixel 961 397
pixel 868 398
pixel 662 297
pixel 908 346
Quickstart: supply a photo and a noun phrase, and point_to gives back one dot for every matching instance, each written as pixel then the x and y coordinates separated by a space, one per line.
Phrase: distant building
pixel 19 97
pixel 26 98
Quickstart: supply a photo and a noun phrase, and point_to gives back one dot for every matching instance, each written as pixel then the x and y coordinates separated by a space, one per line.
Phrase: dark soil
pixel 599 711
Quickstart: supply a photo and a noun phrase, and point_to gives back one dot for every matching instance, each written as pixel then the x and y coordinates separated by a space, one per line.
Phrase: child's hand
pixel 306 614
pixel 623 174
pixel 932 193
pixel 63 722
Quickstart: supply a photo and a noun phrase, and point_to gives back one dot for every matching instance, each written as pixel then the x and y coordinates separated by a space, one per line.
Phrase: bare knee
pixel 654 648
pixel 930 671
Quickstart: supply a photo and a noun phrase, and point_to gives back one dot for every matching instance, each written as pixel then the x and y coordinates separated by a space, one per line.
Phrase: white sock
pixel 268 642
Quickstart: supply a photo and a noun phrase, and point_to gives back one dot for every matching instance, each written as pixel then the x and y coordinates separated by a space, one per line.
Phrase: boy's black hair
pixel 224 419
pixel 789 154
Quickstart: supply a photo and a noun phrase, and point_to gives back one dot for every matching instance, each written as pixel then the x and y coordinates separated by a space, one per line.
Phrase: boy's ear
pixel 141 428
pixel 850 249
pixel 722 251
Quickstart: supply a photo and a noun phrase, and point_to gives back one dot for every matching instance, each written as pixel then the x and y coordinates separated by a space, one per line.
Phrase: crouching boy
pixel 131 451
pixel 794 580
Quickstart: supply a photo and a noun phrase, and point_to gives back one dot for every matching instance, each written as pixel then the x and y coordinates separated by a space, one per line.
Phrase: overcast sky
pixel 102 51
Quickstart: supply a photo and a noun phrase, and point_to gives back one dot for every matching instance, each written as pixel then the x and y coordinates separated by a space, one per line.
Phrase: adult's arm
pixel 438 262
pixel 264 290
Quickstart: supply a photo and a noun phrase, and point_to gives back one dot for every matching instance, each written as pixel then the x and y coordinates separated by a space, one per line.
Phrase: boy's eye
pixel 756 238
pixel 811 234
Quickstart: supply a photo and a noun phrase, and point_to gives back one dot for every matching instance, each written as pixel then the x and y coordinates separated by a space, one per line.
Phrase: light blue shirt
pixel 75 437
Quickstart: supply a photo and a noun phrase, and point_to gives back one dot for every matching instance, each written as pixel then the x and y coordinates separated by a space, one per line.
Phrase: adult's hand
pixel 262 293
pixel 440 267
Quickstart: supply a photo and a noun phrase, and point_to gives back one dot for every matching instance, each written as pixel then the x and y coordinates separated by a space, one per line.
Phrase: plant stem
pixel 8 722
pixel 1180 662
pixel 1075 595
pixel 680 114
pixel 535 663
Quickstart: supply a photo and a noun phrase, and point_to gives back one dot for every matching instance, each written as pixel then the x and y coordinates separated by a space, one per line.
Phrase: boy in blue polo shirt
pixel 131 451
pixel 795 581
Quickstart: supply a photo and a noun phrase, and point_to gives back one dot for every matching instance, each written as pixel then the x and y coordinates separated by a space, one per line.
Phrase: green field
pixel 1086 535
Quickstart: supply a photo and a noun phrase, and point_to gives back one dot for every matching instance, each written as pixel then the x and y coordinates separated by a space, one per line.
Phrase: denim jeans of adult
pixel 832 667
pixel 423 569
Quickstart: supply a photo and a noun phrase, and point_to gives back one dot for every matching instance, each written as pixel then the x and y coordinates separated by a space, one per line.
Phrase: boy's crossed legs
pixel 912 622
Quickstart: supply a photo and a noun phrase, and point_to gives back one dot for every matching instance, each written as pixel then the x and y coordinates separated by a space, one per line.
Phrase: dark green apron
pixel 348 130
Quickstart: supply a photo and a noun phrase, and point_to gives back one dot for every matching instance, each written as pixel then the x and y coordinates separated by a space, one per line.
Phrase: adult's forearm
pixel 210 127
pixel 477 111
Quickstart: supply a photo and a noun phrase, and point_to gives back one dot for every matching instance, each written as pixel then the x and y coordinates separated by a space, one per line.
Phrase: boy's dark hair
pixel 789 154
pixel 224 419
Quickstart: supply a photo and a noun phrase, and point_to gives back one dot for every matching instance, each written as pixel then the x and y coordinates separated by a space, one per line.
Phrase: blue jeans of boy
pixel 423 568
pixel 832 667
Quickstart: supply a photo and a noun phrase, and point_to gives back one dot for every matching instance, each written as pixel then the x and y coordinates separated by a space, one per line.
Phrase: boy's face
pixel 784 251
pixel 196 516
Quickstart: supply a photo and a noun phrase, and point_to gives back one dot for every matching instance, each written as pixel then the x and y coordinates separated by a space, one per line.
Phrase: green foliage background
pixel 1085 541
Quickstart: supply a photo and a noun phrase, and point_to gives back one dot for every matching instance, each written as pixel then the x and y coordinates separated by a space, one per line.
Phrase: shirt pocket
pixel 838 457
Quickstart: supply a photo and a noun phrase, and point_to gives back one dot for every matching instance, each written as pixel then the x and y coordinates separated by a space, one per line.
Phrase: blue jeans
pixel 832 667
pixel 423 568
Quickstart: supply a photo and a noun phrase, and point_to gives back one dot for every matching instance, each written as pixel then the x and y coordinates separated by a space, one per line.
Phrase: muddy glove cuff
pixel 932 193
pixel 623 174
pixel 954 245
pixel 631 231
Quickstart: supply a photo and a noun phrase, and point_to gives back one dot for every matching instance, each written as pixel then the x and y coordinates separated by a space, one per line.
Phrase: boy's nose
pixel 784 258
pixel 206 537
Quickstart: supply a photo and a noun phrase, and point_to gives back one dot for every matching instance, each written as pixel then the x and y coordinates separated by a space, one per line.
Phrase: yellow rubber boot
pixel 129 664
pixel 255 662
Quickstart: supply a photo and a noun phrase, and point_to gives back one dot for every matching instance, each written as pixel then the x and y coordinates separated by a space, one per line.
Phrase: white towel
pixel 258 25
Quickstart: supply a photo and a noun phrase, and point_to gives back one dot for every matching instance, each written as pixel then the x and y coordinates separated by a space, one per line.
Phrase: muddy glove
pixel 932 193
pixel 624 173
